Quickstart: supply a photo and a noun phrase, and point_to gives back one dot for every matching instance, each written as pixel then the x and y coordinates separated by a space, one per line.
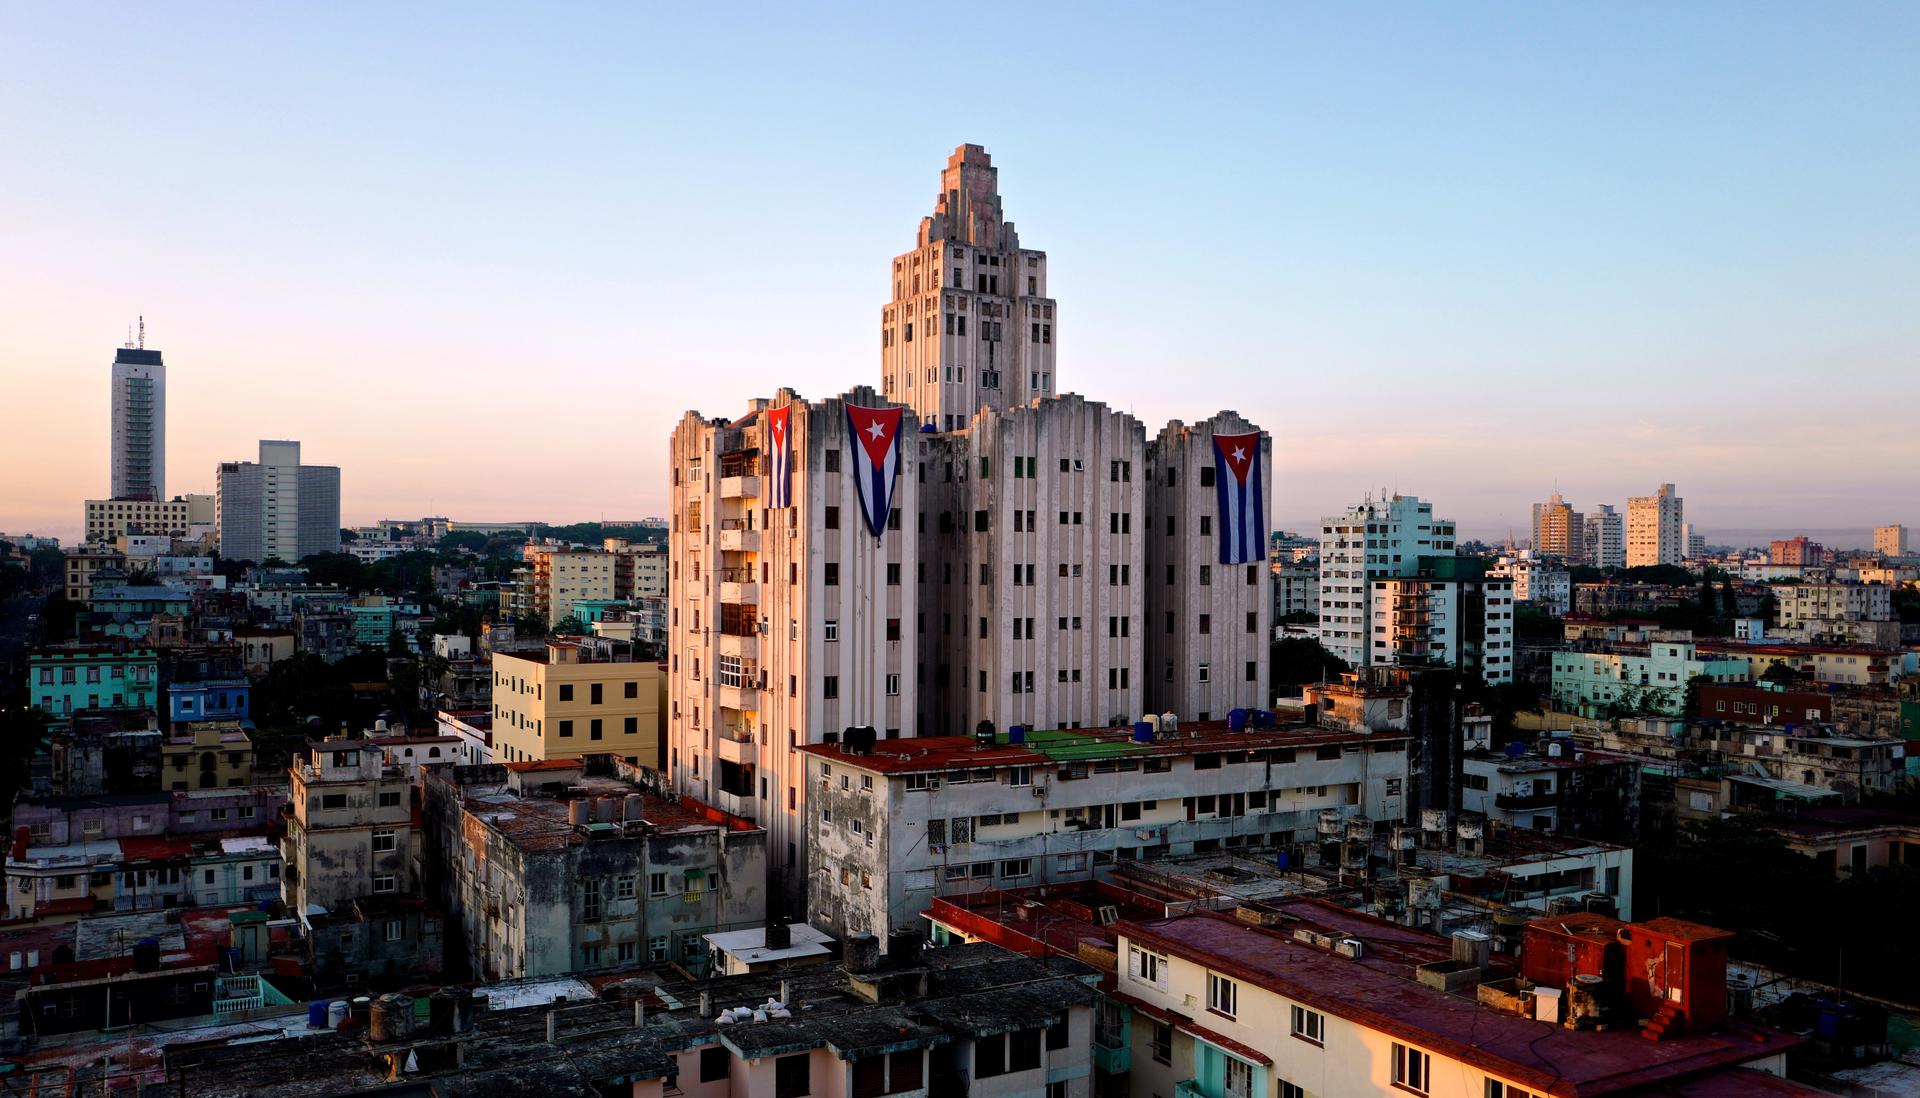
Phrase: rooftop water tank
pixel 1142 732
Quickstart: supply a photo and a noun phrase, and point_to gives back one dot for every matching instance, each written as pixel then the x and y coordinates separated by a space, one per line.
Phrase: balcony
pixel 1519 802
pixel 743 487
pixel 738 699
pixel 746 648
pixel 747 593
pixel 1189 1088
pixel 736 538
pixel 1112 1059
pixel 745 752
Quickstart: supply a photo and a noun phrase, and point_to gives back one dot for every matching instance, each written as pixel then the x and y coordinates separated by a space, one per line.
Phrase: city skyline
pixel 557 268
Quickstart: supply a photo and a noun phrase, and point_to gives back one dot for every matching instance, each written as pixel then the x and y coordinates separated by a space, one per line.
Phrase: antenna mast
pixel 143 331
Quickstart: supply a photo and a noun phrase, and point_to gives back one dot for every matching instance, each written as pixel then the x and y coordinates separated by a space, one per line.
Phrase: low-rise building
pixel 351 830
pixel 84 564
pixel 207 755
pixel 1836 613
pixel 1812 755
pixel 1544 584
pixel 1217 1007
pixel 262 647
pixel 941 1024
pixel 576 697
pixel 1836 664
pixel 902 821
pixel 549 869
pixel 1558 787
pixel 1650 678
pixel 64 679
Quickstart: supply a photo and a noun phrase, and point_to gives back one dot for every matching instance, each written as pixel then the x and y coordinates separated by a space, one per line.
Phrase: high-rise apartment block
pixel 988 552
pixel 1656 529
pixel 1605 532
pixel 1890 541
pixel 139 458
pixel 277 507
pixel 1796 550
pixel 1449 611
pixel 1558 531
pixel 970 324
pixel 1376 540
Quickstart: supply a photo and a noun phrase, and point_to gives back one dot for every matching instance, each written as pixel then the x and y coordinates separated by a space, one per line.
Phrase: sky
pixel 484 257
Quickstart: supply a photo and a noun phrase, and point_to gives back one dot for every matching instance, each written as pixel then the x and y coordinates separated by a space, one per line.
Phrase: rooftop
pixel 1045 747
pixel 1378 991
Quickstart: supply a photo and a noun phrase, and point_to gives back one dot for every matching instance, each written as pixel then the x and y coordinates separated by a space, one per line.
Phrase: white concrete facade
pixel 1375 539
pixel 1605 532
pixel 970 324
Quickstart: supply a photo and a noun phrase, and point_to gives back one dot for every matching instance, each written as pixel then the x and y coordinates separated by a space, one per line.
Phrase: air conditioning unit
pixel 1079 466
pixel 1108 914
pixel 1039 790
pixel 933 783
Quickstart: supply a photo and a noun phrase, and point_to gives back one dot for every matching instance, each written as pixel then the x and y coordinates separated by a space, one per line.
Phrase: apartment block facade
pixel 107 519
pixel 277 507
pixel 896 826
pixel 1605 532
pixel 1450 612
pixel 962 546
pixel 1559 531
pixel 576 697
pixel 350 835
pixel 1656 529
pixel 1378 539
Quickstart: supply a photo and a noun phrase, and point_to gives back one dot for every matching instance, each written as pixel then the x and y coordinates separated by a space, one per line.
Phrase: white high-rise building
pixel 1656 529
pixel 1606 537
pixel 1374 540
pixel 1040 562
pixel 139 458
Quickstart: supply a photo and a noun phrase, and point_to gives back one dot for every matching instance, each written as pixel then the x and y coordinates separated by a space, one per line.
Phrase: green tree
pixel 473 541
pixel 342 570
pixel 1297 660
pixel 23 735
pixel 1691 706
pixel 48 567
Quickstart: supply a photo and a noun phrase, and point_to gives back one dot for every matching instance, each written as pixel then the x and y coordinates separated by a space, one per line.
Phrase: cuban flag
pixel 1243 501
pixel 779 454
pixel 876 458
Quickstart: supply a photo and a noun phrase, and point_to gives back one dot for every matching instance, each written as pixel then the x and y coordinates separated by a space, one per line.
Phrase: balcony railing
pixel 1520 801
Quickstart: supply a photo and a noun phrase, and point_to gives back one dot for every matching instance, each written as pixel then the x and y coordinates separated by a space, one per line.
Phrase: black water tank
pixel 146 955
pixel 779 935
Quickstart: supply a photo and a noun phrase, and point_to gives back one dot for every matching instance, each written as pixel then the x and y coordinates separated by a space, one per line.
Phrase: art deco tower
pixel 970 325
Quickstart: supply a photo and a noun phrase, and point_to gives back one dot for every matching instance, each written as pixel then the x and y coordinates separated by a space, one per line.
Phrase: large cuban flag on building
pixel 779 423
pixel 876 458
pixel 1243 499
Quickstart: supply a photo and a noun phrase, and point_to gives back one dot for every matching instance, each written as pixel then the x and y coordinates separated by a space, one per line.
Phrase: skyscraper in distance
pixel 1656 528
pixel 139 432
pixel 277 508
pixel 1557 531
pixel 1604 530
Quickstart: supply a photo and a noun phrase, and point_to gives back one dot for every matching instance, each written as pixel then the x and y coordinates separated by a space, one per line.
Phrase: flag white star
pixel 875 429
pixel 1239 454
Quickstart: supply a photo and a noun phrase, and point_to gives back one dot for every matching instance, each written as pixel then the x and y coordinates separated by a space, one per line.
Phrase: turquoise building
pixel 63 680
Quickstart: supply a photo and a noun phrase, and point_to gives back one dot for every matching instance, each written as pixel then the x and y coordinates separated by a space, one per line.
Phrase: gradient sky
pixel 483 257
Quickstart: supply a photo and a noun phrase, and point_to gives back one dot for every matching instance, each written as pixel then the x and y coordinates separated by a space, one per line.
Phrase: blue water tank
pixel 1142 732
pixel 1236 720
pixel 928 429
pixel 1263 718
pixel 1017 734
pixel 1516 749
pixel 317 1014
pixel 1280 861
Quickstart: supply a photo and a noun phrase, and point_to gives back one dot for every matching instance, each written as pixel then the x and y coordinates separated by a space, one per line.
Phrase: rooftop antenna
pixel 143 331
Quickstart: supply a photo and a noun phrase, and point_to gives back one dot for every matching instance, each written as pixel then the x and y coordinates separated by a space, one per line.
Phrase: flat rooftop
pixel 1044 747
pixel 1380 995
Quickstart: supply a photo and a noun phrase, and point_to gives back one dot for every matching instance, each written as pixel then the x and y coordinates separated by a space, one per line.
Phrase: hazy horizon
pixel 483 258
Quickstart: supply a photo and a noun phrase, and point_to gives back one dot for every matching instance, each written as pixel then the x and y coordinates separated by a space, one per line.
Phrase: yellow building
pixel 209 755
pixel 578 696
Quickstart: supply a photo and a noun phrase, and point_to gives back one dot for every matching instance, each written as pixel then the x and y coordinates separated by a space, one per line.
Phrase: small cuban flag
pixel 876 458
pixel 1243 500
pixel 778 422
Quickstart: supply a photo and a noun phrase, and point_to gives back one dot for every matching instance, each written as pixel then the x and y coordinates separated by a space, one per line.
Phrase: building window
pixel 566 728
pixel 1016 869
pixel 1239 1078
pixel 1498 1089
pixel 384 841
pixel 1412 1068
pixel 793 1076
pixel 830 687
pixel 1162 1043
pixel 657 948
pixel 566 692
pixel 1223 996
pixel 623 888
pixel 1148 968
pixel 714 1063
pixel 384 882
pixel 1309 1025
pixel 656 884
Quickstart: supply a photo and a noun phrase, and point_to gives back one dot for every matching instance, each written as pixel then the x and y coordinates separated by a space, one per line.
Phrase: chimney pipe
pixel 639 1014
pixel 553 1019
pixel 706 1004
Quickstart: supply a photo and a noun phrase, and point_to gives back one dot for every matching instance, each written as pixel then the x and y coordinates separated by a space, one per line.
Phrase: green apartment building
pixel 1647 679
pixel 63 680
